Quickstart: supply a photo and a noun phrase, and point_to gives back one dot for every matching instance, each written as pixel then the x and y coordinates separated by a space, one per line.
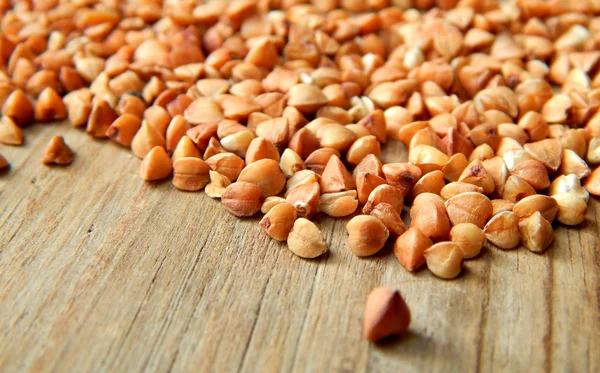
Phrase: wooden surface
pixel 100 271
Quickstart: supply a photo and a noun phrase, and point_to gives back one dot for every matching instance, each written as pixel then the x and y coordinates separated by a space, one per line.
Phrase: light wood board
pixel 100 271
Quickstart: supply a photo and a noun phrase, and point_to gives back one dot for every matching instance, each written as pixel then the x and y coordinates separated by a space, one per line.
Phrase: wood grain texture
pixel 100 271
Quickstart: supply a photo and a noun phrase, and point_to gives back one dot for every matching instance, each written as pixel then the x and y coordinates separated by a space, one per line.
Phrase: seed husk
pixel 58 152
pixel 278 222
pixel 156 165
pixel 366 235
pixel 10 133
pixel 536 232
pixel 190 174
pixel 444 259
pixel 386 314
pixel 242 199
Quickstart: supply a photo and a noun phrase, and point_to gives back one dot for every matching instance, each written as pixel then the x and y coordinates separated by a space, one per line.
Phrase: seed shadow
pixel 394 341
pixel 5 171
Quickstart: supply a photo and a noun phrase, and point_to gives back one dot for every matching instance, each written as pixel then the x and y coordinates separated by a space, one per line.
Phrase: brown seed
pixel 291 163
pixel 432 221
pixel 214 147
pixel 145 140
pixel 444 259
pixel 306 240
pixel 568 184
pixel 455 167
pixel 318 159
pixel 384 193
pixel 202 133
pixel 336 177
pixel 386 314
pixel 274 130
pixel 79 106
pixel 470 207
pixel 278 222
pixel 101 117
pixel 482 152
pixel 501 205
pixel 516 189
pixel 124 128
pixel 19 108
pixel 375 123
pixel 10 133
pixel 366 235
pixel 239 108
pixel 203 110
pixel 536 232
pixel 390 217
pixel 547 151
pixel 370 164
pixel 306 98
pixel 503 230
pixel 185 148
pixel 270 202
pixel 238 142
pixel 365 184
pixel 533 172
pixel 572 209
pixel 242 199
pixel 547 206
pixel 572 164
pixel 432 182
pixel 469 237
pixel 425 198
pixel 336 136
pixel 227 164
pixel 301 178
pixel 303 142
pixel 476 174
pixel 455 188
pixel 157 117
pixel 3 163
pixel 156 165
pixel 498 171
pixel 130 104
pixel 266 174
pixel 305 199
pixel 176 129
pixel 409 248
pixel 190 174
pixel 427 158
pixel 217 184
pixel 361 148
pixel 535 125
pixel 402 176
pixel 261 148
pixel 57 152
pixel 338 204
pixel 49 106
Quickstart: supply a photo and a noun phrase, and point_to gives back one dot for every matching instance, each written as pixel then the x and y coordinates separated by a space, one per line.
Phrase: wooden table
pixel 100 271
